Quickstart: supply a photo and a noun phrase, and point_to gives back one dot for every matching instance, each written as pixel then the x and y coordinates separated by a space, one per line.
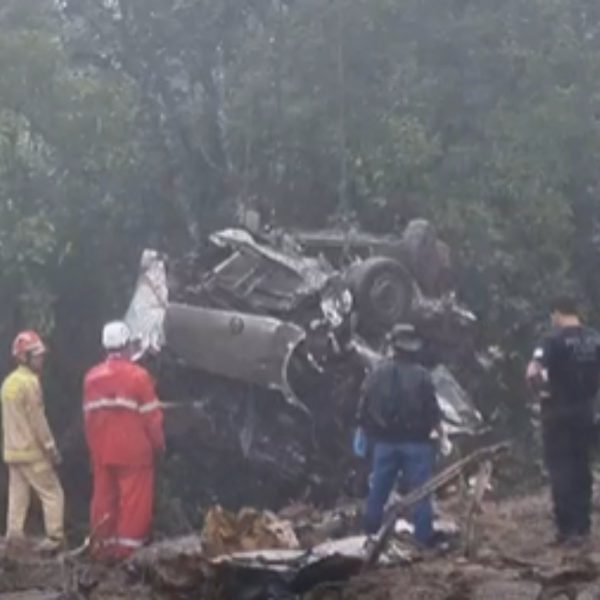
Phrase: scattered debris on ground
pixel 250 530
pixel 303 553
pixel 515 559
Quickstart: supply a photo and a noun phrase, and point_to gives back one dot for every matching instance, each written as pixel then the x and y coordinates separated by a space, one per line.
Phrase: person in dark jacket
pixel 566 368
pixel 399 412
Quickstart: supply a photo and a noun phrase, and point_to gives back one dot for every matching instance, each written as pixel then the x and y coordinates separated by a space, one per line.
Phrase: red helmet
pixel 27 343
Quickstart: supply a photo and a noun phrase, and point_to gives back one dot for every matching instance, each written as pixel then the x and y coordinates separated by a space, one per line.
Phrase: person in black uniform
pixel 567 365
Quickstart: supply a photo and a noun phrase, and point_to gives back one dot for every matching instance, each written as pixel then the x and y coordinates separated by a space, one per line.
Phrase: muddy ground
pixel 514 559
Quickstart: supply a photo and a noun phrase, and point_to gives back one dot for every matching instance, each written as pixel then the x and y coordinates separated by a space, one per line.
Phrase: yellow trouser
pixel 43 479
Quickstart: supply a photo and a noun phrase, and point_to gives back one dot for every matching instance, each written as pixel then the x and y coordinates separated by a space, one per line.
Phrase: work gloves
pixel 445 446
pixel 360 443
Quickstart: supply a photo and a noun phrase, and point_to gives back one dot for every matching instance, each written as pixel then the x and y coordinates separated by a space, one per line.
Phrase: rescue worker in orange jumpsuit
pixel 124 432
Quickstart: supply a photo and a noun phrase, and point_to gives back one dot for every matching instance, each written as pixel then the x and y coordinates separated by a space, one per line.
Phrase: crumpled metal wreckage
pixel 262 313
pixel 183 565
pixel 254 555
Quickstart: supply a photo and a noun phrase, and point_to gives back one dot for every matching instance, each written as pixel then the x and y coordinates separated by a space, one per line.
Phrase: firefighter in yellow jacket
pixel 29 447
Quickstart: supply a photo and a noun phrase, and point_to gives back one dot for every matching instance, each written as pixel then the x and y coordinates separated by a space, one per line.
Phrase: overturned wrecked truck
pixel 269 339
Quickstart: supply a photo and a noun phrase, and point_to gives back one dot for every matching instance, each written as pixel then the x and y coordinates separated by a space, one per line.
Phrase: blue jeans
pixel 416 461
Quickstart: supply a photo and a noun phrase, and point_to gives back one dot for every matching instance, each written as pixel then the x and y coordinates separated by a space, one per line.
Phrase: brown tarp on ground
pixel 226 533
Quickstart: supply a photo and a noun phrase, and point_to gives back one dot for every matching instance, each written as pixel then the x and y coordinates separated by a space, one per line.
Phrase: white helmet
pixel 115 335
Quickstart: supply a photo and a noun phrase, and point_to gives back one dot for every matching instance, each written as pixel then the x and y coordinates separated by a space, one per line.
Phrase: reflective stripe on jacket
pixel 27 436
pixel 123 418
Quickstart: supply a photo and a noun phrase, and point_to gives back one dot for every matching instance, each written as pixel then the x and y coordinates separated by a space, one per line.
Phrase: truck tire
pixel 383 293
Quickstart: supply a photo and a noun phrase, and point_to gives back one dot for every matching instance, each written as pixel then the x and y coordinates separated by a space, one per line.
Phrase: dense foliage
pixel 134 123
